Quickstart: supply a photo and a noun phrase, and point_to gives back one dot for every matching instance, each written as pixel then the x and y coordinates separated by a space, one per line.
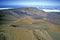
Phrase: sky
pixel 42 4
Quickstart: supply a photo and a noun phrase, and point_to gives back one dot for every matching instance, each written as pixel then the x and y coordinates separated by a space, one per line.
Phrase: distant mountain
pixel 14 14
pixel 53 17
pixel 10 15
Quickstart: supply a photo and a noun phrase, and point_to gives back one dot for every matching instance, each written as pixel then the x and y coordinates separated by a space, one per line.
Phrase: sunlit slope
pixel 38 23
pixel 27 20
pixel 35 30
pixel 41 25
pixel 18 33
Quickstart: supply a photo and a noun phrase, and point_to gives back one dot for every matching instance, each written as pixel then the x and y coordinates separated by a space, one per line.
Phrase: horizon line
pixel 45 10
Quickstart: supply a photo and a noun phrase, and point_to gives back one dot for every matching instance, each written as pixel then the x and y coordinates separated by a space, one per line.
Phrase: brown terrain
pixel 28 28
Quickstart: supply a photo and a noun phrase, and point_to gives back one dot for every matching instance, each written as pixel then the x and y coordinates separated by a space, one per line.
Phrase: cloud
pixel 46 10
pixel 5 8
